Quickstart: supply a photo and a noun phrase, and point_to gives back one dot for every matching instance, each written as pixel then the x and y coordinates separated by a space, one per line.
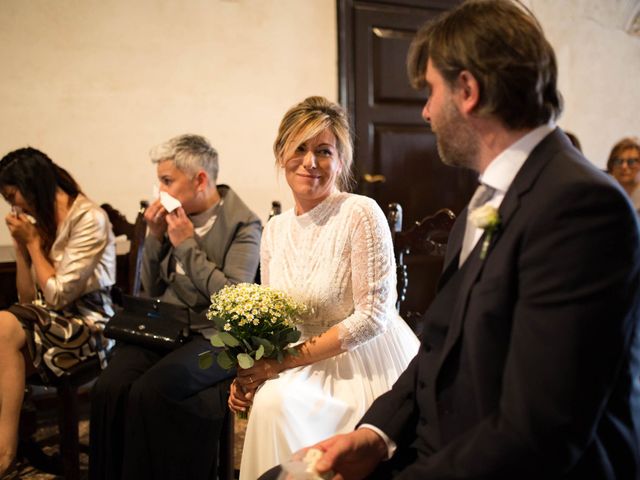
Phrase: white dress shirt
pixel 503 169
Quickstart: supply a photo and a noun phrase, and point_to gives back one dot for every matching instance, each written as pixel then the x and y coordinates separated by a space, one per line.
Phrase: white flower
pixel 485 217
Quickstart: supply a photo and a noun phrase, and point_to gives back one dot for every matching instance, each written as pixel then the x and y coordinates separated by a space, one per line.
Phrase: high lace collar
pixel 318 213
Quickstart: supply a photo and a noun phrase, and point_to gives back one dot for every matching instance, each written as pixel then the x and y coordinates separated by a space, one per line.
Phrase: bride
pixel 333 252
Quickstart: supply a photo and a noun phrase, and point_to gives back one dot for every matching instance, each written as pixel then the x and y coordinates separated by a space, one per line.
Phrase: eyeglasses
pixel 631 162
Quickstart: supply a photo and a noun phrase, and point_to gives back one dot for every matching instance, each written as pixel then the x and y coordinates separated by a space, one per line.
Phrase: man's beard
pixel 457 143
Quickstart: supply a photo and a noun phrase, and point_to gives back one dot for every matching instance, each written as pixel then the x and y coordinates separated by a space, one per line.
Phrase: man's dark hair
pixel 502 45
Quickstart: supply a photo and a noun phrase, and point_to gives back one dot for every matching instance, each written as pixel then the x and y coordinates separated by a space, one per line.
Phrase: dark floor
pixel 40 413
pixel 46 436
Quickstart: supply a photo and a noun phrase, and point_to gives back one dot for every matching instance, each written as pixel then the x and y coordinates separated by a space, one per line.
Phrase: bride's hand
pixel 238 401
pixel 251 378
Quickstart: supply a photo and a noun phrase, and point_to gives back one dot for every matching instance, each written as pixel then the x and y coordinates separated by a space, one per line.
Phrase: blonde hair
pixel 306 120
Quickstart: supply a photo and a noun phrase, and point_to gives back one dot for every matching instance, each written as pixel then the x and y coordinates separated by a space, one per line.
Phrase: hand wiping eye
pixel 16 211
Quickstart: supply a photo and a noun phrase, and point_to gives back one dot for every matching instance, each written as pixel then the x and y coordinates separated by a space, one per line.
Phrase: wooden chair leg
pixel 68 418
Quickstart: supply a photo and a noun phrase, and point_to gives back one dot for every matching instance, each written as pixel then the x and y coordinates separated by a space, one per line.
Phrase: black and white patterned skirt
pixel 60 340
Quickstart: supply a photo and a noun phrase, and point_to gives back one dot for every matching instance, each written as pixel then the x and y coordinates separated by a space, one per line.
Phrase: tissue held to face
pixel 180 185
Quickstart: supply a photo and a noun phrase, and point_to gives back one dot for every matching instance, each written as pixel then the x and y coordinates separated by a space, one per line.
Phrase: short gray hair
pixel 190 153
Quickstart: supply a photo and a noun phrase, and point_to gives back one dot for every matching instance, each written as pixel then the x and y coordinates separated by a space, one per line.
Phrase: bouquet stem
pixel 242 415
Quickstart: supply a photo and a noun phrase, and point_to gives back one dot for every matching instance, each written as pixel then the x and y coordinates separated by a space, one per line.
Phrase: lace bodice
pixel 338 260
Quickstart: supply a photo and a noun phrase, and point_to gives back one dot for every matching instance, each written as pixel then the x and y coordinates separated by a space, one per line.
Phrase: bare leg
pixel 12 380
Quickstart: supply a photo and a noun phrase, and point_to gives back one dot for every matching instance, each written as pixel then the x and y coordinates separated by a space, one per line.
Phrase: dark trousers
pixel 157 415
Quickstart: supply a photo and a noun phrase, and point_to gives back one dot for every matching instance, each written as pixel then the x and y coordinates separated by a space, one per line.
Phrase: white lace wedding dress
pixel 338 260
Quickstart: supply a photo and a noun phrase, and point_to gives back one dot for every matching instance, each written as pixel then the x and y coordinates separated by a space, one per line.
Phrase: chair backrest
pixel 426 241
pixel 276 209
pixel 128 265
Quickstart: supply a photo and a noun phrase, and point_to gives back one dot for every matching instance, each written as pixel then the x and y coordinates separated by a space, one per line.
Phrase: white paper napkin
pixel 168 202
pixel 302 466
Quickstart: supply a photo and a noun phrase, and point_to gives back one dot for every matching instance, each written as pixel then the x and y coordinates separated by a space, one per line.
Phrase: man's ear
pixel 468 91
pixel 201 180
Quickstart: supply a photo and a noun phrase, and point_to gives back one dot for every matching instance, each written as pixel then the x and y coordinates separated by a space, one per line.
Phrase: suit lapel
pixel 454 245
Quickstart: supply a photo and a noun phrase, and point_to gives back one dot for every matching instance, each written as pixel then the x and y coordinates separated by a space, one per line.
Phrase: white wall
pixel 599 69
pixel 96 83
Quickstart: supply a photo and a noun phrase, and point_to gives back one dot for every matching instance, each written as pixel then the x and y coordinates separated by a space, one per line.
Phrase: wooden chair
pixel 426 241
pixel 127 281
pixel 129 264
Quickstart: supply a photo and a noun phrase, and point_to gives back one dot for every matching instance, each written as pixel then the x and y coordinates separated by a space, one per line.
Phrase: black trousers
pixel 157 415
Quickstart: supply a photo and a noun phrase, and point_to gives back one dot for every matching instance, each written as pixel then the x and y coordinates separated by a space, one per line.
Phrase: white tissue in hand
pixel 168 202
pixel 18 211
pixel 305 468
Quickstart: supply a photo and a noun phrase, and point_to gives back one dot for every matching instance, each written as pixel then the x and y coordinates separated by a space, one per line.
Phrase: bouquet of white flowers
pixel 253 322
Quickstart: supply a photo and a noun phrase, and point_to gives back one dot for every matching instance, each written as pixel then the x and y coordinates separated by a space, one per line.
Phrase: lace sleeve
pixel 373 277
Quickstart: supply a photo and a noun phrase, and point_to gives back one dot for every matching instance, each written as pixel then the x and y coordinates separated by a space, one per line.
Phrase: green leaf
pixel 259 352
pixel 225 360
pixel 266 344
pixel 216 341
pixel 293 335
pixel 280 357
pixel 275 338
pixel 245 360
pixel 218 322
pixel 268 351
pixel 293 351
pixel 228 339
pixel 205 359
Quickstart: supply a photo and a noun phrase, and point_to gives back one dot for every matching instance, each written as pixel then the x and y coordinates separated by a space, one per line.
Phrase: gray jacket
pixel 228 253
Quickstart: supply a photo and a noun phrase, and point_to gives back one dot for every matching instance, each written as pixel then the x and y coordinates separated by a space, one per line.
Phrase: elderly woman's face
pixel 311 170
pixel 626 167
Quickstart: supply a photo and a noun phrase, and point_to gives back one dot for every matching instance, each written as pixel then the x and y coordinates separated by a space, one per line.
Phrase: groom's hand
pixel 352 456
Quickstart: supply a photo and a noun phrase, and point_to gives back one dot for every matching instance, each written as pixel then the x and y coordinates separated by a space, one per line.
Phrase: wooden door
pixel 396 159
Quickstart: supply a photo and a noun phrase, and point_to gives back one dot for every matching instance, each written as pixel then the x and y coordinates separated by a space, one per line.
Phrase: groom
pixel 531 345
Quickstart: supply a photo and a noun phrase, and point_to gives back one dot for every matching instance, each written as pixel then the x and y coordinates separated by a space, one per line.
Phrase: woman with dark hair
pixel 624 165
pixel 65 263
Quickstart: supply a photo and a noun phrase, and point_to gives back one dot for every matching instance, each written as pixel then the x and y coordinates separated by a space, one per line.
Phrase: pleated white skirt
pixel 305 405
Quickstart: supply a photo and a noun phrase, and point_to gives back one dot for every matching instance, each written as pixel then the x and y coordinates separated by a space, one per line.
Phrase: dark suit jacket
pixel 526 367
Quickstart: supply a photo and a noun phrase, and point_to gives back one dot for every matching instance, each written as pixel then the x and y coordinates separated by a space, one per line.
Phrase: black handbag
pixel 150 323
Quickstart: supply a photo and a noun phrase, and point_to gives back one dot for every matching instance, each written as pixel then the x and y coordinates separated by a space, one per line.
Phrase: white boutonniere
pixel 487 218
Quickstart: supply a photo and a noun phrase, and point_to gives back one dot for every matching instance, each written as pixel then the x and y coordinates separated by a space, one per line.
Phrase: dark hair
pixel 36 177
pixel 502 45
pixel 574 140
pixel 624 144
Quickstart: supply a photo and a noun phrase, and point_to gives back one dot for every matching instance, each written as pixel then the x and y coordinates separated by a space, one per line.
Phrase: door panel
pixel 396 158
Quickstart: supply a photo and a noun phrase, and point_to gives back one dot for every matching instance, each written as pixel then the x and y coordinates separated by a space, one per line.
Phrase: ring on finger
pixel 250 379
